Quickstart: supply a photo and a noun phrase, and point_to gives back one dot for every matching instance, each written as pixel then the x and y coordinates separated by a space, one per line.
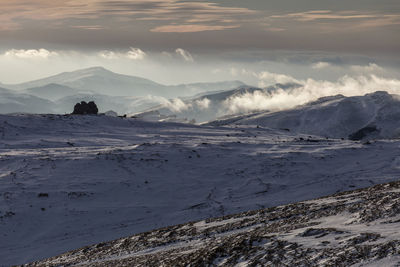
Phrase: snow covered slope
pixel 356 228
pixel 71 181
pixel 335 116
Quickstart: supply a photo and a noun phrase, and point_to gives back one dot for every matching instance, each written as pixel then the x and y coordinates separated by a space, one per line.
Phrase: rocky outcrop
pixel 354 227
pixel 84 108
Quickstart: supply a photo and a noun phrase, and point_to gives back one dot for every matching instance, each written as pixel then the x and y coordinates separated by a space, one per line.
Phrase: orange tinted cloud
pixel 321 15
pixel 192 28
pixel 329 21
pixel 13 14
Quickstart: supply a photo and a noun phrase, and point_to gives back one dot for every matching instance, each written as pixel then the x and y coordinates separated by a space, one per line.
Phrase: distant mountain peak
pixel 91 70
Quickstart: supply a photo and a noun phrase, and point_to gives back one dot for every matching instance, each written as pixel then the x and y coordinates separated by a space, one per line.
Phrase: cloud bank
pixel 133 53
pixel 309 90
pixel 30 53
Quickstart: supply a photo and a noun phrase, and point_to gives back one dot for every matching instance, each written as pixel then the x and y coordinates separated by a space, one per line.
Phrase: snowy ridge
pixel 356 228
pixel 335 116
pixel 86 179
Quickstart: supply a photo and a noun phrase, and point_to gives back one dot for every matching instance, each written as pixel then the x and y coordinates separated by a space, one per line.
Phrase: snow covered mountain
pixel 356 228
pixel 101 81
pixel 374 115
pixel 82 180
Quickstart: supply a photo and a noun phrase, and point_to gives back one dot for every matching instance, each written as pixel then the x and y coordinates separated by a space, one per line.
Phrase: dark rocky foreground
pixel 353 228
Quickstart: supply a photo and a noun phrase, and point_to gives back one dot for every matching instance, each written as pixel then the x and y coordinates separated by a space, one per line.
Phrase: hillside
pixel 51 91
pixel 357 228
pixel 10 102
pixel 82 180
pixel 374 115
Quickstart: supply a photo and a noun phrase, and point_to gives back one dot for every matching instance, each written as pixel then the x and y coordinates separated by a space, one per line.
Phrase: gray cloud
pixel 203 25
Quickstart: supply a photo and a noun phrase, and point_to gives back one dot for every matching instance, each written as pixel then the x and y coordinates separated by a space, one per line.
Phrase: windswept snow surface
pixel 71 181
pixel 355 228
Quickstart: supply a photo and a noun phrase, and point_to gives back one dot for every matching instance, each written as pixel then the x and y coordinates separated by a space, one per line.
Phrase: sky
pixel 198 40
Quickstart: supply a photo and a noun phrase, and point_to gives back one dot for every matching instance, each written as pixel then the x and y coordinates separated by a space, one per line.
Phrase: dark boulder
pixel 85 108
pixel 363 132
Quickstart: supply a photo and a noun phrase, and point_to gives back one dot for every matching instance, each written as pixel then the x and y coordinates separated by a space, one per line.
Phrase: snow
pixel 359 227
pixel 109 177
pixel 391 261
pixel 335 117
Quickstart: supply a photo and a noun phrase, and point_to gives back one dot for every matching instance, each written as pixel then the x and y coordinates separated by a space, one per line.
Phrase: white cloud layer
pixel 108 54
pixel 184 54
pixel 320 65
pixel 268 78
pixel 133 53
pixel 309 90
pixel 203 104
pixel 371 68
pixel 176 105
pixel 30 53
pixel 136 54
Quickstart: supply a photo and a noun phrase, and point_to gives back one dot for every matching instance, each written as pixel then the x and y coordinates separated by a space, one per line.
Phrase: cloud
pixel 108 54
pixel 309 90
pixel 17 12
pixel 133 53
pixel 136 54
pixel 325 15
pixel 245 103
pixel 203 104
pixel 329 20
pixel 176 105
pixel 371 68
pixel 89 27
pixel 320 65
pixel 184 54
pixel 30 53
pixel 268 78
pixel 192 28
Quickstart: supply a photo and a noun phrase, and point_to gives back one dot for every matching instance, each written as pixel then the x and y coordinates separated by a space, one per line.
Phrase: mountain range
pixel 373 115
pixel 122 93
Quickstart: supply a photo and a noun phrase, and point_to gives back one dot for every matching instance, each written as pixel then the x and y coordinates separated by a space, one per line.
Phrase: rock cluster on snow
pixel 85 108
